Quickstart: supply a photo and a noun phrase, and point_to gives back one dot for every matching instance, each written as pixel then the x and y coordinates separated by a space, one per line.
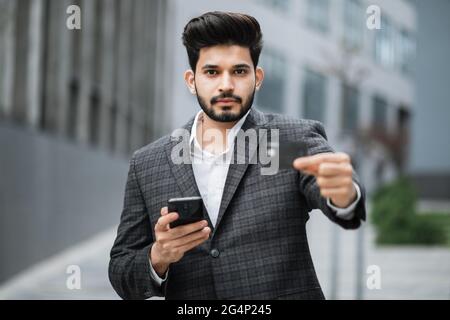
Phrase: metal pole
pixel 334 263
pixel 360 273
pixel 360 264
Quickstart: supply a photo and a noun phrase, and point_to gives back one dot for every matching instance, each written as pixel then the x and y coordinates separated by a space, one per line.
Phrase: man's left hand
pixel 333 172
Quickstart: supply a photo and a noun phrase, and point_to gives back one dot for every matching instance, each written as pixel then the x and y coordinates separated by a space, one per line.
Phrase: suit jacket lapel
pixel 182 173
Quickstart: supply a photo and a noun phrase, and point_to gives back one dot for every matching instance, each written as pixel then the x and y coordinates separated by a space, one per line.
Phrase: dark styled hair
pixel 217 28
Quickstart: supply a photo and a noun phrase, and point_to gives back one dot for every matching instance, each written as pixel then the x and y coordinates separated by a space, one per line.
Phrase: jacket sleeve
pixel 317 143
pixel 129 266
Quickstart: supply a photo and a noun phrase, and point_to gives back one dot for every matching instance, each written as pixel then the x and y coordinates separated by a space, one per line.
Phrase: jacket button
pixel 215 253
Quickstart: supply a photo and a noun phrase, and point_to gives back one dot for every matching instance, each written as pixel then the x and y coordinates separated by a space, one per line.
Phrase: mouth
pixel 226 101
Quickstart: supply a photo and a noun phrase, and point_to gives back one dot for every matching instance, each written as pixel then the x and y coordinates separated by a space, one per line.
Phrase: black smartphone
pixel 189 210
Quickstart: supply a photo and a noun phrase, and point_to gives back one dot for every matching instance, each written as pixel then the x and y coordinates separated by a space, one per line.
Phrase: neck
pixel 213 145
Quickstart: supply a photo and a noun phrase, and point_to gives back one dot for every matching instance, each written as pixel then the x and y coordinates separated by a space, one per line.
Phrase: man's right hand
pixel 172 243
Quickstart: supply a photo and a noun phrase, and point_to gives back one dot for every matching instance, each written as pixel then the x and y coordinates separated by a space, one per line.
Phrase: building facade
pixel 98 85
pixel 74 105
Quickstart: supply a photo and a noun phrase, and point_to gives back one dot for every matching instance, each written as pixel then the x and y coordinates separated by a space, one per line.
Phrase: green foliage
pixel 396 221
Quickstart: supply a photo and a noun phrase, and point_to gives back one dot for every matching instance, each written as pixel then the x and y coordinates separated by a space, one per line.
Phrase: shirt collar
pixel 232 133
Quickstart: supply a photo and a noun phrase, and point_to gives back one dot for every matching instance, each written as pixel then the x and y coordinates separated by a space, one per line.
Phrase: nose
pixel 226 83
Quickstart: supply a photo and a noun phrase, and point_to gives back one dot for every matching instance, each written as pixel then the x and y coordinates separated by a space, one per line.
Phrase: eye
pixel 240 71
pixel 211 72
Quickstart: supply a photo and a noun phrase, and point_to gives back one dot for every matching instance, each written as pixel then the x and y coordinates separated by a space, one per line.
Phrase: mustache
pixel 226 96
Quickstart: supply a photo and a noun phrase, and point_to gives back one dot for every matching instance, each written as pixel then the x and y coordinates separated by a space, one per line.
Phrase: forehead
pixel 224 56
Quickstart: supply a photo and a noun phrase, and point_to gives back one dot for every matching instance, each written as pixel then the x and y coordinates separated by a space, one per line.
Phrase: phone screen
pixel 189 209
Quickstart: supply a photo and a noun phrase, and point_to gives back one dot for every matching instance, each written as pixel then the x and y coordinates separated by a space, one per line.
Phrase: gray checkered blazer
pixel 258 248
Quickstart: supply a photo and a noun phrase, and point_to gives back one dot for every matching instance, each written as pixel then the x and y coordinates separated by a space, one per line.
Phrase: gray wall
pixel 53 194
pixel 430 149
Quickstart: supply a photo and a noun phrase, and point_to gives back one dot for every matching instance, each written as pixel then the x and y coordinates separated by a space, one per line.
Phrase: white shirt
pixel 211 170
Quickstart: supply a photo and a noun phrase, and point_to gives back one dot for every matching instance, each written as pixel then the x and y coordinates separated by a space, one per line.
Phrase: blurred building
pixel 74 104
pixel 98 85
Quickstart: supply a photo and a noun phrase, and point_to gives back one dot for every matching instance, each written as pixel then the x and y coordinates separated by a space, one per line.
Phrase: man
pixel 252 243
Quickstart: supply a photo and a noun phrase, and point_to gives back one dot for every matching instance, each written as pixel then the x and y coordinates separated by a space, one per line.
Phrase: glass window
pixel 350 109
pixel 379 114
pixel 94 117
pixel 384 44
pixel 271 96
pixel 407 52
pixel 314 95
pixel 318 15
pixel 354 23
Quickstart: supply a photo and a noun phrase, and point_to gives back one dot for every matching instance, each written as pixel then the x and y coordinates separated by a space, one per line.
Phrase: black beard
pixel 227 117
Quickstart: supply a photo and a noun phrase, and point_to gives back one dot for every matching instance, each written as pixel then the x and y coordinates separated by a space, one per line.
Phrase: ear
pixel 259 75
pixel 189 78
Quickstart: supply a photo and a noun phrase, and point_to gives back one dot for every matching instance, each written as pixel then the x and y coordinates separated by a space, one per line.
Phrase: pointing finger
pixel 315 160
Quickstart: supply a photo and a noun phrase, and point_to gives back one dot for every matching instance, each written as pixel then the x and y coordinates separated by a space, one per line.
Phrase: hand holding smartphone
pixel 170 247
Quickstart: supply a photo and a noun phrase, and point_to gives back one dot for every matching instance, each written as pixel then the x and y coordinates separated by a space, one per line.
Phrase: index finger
pixel 163 222
pixel 317 159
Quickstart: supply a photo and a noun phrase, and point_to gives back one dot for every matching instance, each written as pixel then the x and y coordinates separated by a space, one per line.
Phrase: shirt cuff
pixel 155 276
pixel 349 212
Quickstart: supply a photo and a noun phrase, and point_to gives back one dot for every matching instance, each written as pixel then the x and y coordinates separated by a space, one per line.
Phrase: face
pixel 225 82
